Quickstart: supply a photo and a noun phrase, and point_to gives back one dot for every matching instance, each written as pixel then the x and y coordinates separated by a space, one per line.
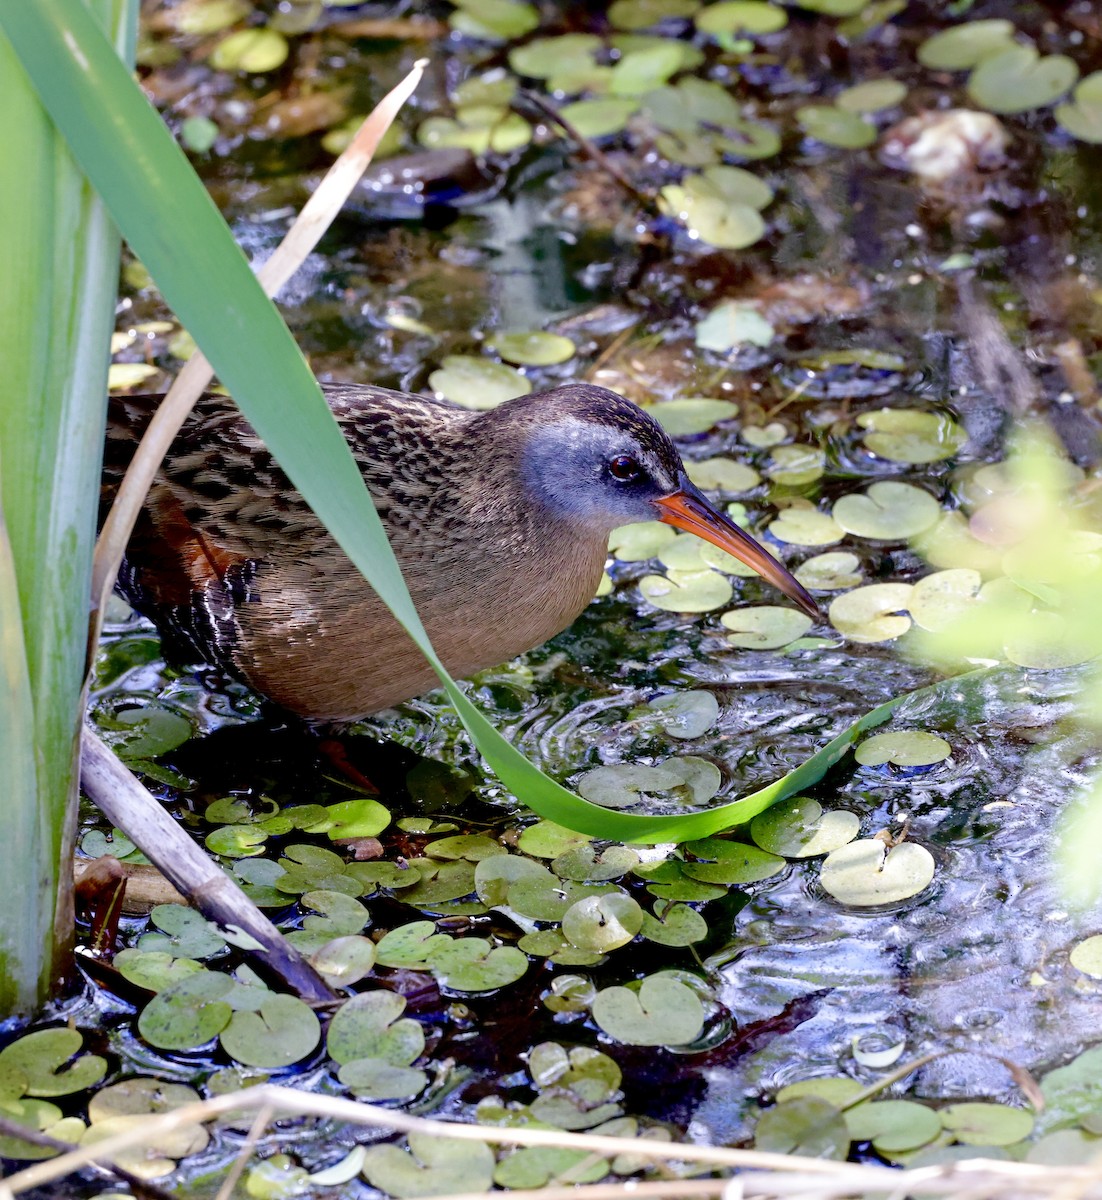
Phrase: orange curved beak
pixel 689 509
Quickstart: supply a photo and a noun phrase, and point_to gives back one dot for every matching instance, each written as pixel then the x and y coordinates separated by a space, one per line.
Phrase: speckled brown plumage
pixel 499 521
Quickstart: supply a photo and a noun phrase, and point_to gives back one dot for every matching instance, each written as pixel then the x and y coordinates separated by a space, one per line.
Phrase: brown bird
pixel 499 519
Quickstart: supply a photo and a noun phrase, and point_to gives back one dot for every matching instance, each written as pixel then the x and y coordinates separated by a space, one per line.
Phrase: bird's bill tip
pixel 690 510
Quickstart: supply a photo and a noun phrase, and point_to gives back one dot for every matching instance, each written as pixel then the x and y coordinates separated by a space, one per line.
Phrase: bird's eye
pixel 625 469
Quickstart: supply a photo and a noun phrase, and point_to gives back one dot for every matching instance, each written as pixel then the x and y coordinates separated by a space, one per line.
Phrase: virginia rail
pixel 500 521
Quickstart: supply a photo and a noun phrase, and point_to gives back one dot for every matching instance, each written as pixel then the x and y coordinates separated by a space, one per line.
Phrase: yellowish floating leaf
pixel 865 873
pixel 940 599
pixel 693 414
pixel 640 540
pixel 888 511
pixel 802 524
pixel 477 383
pixel 911 435
pixel 873 613
pixel 765 627
pixel 903 748
pixel 830 572
pixel 687 591
pixel 722 474
pixel 794 466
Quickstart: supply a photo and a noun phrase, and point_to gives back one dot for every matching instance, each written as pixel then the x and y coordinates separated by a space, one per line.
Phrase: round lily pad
pixel 1018 79
pixel 862 874
pixel 283 1031
pixel 186 933
pixel 661 1012
pixel 602 923
pixel 693 414
pixel 344 961
pixel 375 1079
pixel 836 126
pixel 494 876
pixel 477 383
pixel 494 20
pixel 686 714
pixel 979 1124
pixel 476 965
pixel 904 748
pixel 153 730
pixel 911 435
pixel 888 511
pixel 641 14
pixel 546 839
pixel 834 571
pixel 1082 117
pixel 737 18
pixel 674 925
pixel 837 1090
pixel 585 864
pixel 765 627
pixel 544 57
pixel 371 1025
pixel 763 436
pixel 798 828
pixel 733 323
pixel 600 118
pixel 873 613
pixel 188 1014
pixel 807 1126
pixel 793 466
pixel 253 50
pixel 893 1126
pixel 803 525
pixel 640 540
pixel 1086 956
pixel 41 1060
pixel 963 46
pixel 433 1166
pixel 689 779
pixel 722 474
pixel 642 70
pixel 873 96
pixel 728 224
pixel 533 349
pixel 940 599
pixel 476 127
pixel 735 863
pixel 687 591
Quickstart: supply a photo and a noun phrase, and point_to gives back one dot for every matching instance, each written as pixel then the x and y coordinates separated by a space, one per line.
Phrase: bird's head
pixel 590 458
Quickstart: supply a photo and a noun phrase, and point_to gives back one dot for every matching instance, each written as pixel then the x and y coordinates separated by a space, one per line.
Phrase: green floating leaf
pixel 836 126
pixel 585 864
pixel 284 1031
pixel 732 862
pixel 547 839
pixel 807 1126
pixel 911 435
pixel 602 923
pixel 345 960
pixel 363 818
pixel 862 874
pixel 186 933
pixel 494 20
pixel 963 46
pixel 873 96
pixel 904 748
pixel 731 18
pixel 798 828
pixel 1082 118
pixel 374 1079
pixel 641 14
pixel 640 71
pixel 978 1124
pixel 888 511
pixel 537 1166
pixel 155 731
pixel 722 474
pixel 762 436
pixel 545 57
pixel 533 348
pixel 830 572
pixel 687 591
pixel 686 780
pixel 600 118
pixel 188 1014
pixel 37 1115
pixel 480 128
pixel 794 466
pixel 410 945
pixel 802 524
pixel 733 323
pixel 722 210
pixel 661 1012
pixel 674 925
pixel 1086 956
pixel 154 971
pixel 254 50
pixel 478 383
pixel 940 599
pixel 873 613
pixel 476 965
pixel 1018 79
pixel 640 540
pixel 433 1166
pixel 765 627
pixel 681 418
pixel 686 714
pixel 371 1025
pixel 837 1090
pixel 893 1126
pixel 41 1062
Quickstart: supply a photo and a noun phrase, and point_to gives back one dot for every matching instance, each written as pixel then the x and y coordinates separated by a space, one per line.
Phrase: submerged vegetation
pixel 847 254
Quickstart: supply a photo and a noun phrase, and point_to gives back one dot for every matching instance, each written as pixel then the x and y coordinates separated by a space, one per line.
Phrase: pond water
pixel 880 292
